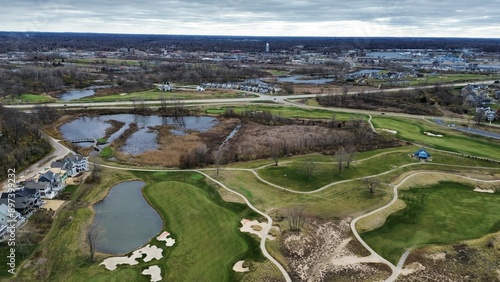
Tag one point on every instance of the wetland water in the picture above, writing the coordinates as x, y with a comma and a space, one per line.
126, 219
140, 141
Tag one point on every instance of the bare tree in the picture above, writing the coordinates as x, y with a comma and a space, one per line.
163, 102
92, 236
276, 151
295, 218
95, 171
350, 156
219, 157
340, 158
371, 183
479, 116
309, 168
356, 120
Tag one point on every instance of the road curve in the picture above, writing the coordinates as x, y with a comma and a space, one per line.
397, 269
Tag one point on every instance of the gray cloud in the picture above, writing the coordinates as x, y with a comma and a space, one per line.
260, 17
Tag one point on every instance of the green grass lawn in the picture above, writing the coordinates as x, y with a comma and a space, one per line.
107, 152
413, 130
287, 112
293, 175
337, 201
28, 98
452, 78
208, 241
205, 227
275, 72
156, 95
440, 214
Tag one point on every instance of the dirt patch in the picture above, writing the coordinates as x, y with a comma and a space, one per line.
53, 204
323, 252
473, 260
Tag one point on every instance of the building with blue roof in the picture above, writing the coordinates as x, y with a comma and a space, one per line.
422, 154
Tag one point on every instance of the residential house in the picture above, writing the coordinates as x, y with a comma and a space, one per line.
6, 217
422, 154
165, 87
72, 164
25, 200
43, 188
63, 174
52, 178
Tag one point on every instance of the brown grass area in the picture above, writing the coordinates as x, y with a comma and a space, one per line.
115, 126
172, 147
472, 260
378, 219
118, 142
326, 88
253, 140
310, 253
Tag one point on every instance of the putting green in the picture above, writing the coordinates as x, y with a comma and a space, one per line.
208, 241
440, 214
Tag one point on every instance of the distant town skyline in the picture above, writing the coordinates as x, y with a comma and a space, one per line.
398, 18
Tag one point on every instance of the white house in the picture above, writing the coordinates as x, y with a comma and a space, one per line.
200, 89
165, 87
72, 164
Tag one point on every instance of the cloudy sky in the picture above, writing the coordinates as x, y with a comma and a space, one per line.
430, 18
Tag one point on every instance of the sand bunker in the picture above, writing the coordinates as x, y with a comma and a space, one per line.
165, 237
483, 190
238, 267
254, 227
151, 252
432, 134
154, 271
390, 131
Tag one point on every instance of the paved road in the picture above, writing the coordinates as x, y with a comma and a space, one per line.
261, 97
470, 130
58, 152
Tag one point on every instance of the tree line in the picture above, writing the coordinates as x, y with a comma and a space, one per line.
21, 142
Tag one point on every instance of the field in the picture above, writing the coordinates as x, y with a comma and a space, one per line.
413, 130
205, 219
286, 112
190, 208
452, 78
208, 241
157, 95
440, 214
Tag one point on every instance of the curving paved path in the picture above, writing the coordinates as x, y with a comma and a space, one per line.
396, 270
268, 218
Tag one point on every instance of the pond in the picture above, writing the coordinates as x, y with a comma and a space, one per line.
125, 219
76, 94
305, 79
140, 141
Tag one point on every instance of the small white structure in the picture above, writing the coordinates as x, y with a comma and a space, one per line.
165, 87
199, 89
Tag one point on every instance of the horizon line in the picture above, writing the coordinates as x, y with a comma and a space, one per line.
222, 35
